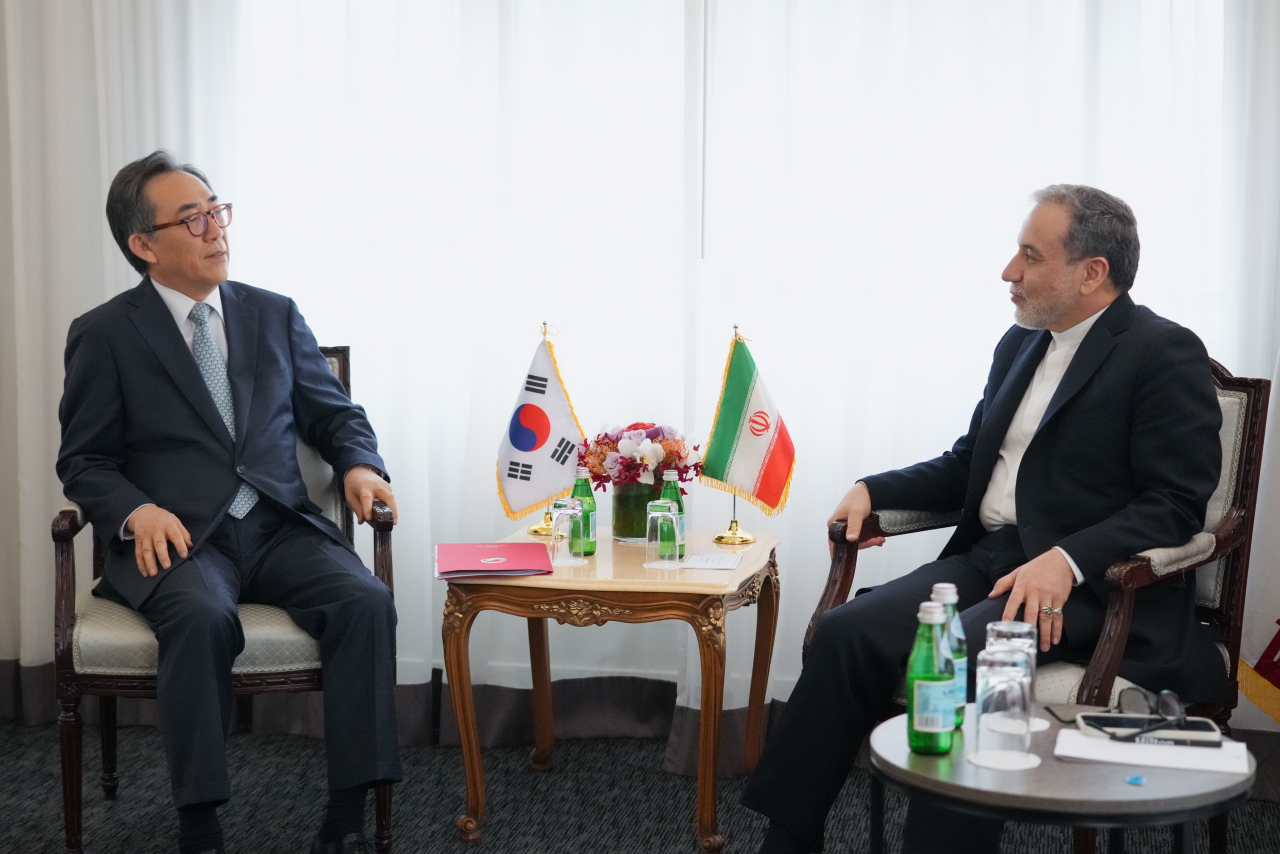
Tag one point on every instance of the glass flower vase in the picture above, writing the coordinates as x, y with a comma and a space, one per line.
630, 511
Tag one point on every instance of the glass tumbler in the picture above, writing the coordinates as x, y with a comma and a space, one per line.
663, 536
566, 551
1004, 708
1023, 636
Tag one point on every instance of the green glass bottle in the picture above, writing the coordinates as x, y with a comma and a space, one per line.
587, 528
930, 684
945, 594
671, 492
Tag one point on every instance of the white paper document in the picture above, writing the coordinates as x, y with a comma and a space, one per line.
1231, 758
711, 560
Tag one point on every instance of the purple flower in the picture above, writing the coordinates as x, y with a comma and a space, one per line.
613, 464
635, 435
669, 432
654, 434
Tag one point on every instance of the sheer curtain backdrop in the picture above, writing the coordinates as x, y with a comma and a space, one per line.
88, 86
432, 180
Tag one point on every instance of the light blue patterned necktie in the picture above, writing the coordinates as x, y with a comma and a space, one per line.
214, 370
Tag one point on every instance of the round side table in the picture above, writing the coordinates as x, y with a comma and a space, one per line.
1089, 794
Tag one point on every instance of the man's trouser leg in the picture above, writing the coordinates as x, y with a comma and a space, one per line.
857, 657
335, 599
193, 613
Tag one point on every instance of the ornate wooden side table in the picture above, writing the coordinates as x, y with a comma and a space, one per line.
614, 585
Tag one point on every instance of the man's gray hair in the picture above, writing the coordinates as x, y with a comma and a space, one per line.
1101, 225
129, 211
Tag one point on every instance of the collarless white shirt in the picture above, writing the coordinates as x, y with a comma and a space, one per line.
180, 304
999, 507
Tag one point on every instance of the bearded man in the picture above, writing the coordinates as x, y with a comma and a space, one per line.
1096, 438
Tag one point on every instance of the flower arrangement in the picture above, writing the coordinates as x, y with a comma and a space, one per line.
640, 453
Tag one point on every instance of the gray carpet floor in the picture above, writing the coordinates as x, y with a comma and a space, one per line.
603, 795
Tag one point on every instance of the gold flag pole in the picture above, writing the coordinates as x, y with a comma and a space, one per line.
735, 536
543, 528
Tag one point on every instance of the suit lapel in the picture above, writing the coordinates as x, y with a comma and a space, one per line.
156, 325
1091, 354
997, 418
242, 356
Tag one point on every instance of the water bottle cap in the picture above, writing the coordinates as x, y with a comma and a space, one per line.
945, 593
583, 471
932, 613
670, 474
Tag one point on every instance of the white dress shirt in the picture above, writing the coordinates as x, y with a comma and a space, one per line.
998, 507
179, 305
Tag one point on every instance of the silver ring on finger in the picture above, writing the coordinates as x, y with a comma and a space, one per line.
1050, 611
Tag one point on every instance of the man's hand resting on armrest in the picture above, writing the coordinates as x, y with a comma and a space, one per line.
854, 509
362, 486
153, 528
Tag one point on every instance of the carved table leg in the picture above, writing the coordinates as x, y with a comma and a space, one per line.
107, 727
709, 625
766, 626
543, 722
382, 822
72, 737
459, 614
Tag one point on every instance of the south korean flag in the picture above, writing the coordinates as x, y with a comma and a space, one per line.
539, 452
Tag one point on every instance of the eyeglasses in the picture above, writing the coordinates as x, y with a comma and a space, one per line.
1138, 701
198, 223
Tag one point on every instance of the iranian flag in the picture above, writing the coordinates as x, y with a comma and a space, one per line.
750, 451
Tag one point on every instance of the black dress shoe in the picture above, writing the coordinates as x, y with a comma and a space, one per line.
352, 843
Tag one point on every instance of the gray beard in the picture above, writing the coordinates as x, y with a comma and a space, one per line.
1038, 315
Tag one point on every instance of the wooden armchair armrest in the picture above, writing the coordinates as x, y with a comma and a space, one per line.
69, 522
844, 554
383, 522
1124, 580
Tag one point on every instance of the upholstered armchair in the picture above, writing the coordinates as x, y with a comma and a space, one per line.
1218, 556
107, 650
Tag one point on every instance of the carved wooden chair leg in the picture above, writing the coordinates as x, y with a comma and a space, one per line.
1218, 826
382, 831
709, 627
1084, 840
543, 722
71, 734
107, 729
766, 627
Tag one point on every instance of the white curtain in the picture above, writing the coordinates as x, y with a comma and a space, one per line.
88, 86
432, 180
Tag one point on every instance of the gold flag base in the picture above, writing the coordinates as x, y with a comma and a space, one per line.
543, 528
734, 536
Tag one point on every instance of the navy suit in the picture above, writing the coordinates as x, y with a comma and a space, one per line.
1124, 459
139, 426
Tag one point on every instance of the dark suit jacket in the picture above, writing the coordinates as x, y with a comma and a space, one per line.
140, 427
1124, 460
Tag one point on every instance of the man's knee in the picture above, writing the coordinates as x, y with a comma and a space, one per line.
194, 618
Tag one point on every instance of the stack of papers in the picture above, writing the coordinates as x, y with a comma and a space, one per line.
467, 560
1231, 758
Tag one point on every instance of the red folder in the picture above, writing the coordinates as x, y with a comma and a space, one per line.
466, 560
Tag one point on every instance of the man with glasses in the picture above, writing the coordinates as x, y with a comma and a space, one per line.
183, 402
